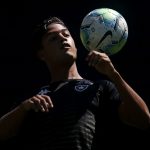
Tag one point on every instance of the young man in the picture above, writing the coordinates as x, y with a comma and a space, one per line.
67, 113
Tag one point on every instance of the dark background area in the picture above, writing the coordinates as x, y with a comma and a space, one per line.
21, 75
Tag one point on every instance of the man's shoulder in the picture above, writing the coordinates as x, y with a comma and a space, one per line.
104, 82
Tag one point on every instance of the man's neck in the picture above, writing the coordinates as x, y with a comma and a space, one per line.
64, 74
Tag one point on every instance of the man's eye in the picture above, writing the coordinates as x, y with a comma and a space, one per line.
52, 38
66, 34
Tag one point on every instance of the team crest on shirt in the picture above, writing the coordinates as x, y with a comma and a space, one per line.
82, 86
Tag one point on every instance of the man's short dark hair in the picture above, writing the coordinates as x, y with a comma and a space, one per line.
41, 29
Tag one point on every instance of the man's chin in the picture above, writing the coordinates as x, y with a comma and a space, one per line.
71, 55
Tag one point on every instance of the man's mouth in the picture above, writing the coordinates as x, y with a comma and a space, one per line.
65, 46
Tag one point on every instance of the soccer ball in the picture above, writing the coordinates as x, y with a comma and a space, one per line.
105, 30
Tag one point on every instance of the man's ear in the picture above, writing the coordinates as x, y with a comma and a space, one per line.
40, 54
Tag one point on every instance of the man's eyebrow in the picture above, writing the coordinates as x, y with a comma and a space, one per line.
65, 29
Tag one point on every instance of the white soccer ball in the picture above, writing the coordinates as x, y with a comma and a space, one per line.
104, 29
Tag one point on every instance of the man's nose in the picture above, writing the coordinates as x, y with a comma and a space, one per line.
62, 37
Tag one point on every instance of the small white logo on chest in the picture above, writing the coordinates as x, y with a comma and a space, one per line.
44, 91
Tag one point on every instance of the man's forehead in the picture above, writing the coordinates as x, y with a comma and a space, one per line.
56, 27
